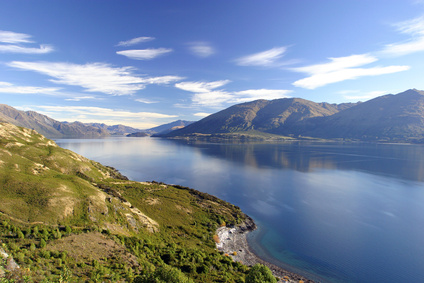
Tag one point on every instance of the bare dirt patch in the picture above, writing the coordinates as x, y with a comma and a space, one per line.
186, 210
152, 201
93, 245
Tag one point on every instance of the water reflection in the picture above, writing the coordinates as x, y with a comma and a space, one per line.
400, 161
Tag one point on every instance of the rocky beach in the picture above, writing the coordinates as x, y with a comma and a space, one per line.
232, 241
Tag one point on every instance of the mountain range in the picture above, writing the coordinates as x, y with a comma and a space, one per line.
390, 117
54, 129
393, 117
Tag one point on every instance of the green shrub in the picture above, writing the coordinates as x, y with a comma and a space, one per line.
260, 273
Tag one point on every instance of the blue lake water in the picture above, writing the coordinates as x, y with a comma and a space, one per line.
333, 212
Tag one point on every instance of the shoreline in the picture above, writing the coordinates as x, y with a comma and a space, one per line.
233, 242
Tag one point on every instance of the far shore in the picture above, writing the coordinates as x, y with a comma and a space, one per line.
233, 243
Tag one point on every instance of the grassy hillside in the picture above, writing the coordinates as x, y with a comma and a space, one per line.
64, 218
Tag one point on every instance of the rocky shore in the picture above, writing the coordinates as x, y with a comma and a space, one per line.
233, 242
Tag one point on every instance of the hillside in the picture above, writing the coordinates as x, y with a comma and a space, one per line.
64, 218
278, 116
397, 118
48, 126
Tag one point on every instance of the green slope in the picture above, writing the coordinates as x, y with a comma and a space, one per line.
65, 218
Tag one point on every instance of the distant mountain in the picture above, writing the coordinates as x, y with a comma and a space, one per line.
54, 129
393, 117
390, 117
48, 126
278, 116
166, 128
115, 129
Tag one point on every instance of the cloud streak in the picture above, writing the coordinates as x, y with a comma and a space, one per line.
341, 69
14, 37
12, 40
135, 41
201, 49
414, 28
356, 95
266, 58
201, 86
206, 93
144, 54
94, 77
6, 87
43, 49
220, 97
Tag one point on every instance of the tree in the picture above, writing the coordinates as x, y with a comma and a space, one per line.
260, 273
42, 243
164, 274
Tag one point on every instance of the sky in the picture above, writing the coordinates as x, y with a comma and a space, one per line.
149, 62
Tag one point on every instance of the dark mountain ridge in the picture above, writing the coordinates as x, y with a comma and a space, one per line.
114, 129
166, 128
399, 116
390, 117
271, 116
47, 126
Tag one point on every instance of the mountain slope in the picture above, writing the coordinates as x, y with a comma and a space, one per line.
390, 117
166, 128
275, 116
48, 126
394, 117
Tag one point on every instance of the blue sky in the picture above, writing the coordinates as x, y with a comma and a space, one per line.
146, 63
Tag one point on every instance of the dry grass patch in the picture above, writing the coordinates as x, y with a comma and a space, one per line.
93, 245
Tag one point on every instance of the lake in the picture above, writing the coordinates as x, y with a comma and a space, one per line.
333, 212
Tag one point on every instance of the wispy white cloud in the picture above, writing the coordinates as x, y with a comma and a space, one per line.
146, 101
14, 37
6, 87
206, 93
94, 77
79, 98
265, 58
201, 114
341, 69
255, 94
201, 86
356, 95
135, 41
12, 43
201, 49
162, 80
415, 29
108, 116
220, 98
212, 98
26, 50
144, 54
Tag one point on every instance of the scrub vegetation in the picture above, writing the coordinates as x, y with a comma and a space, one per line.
64, 218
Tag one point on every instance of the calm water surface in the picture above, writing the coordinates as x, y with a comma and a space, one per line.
334, 212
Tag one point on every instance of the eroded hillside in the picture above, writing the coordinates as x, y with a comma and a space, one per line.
65, 216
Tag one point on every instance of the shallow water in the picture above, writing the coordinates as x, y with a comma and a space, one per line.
337, 212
